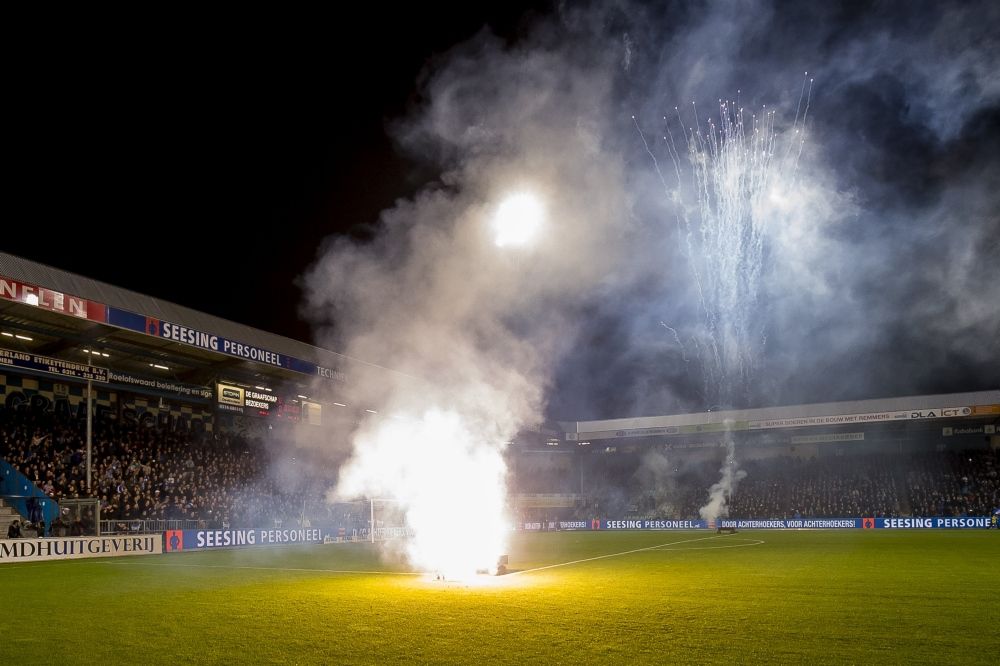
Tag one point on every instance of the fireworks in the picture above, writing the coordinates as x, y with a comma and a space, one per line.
725, 174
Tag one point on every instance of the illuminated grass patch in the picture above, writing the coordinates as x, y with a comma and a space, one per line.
654, 597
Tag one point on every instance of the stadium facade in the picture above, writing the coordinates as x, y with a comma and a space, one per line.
155, 363
154, 360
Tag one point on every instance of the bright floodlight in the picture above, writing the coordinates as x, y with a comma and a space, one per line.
518, 219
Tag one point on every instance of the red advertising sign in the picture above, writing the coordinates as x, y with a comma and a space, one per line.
51, 300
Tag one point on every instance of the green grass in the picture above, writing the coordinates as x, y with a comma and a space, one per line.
805, 596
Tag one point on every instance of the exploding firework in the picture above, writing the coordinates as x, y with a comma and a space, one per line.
726, 173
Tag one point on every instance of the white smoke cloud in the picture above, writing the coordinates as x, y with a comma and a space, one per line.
878, 253
471, 330
722, 490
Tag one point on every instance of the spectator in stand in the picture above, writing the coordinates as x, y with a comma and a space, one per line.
14, 531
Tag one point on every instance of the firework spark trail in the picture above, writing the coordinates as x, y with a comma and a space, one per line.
732, 168
677, 339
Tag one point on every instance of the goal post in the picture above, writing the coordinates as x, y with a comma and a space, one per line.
370, 519
388, 520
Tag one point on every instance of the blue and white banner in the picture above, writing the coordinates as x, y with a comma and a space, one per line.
623, 524
653, 524
795, 524
178, 540
940, 523
160, 328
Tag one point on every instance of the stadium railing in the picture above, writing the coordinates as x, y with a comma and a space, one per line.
148, 526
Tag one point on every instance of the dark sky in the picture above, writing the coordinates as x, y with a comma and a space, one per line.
212, 146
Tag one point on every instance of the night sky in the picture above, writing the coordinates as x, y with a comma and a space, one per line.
218, 144
226, 151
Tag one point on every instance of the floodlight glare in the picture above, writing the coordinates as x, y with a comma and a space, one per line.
518, 219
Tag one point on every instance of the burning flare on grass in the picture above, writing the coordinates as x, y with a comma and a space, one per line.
449, 481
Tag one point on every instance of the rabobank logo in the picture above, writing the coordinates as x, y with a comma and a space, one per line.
173, 540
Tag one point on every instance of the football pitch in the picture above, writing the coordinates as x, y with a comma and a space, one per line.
852, 596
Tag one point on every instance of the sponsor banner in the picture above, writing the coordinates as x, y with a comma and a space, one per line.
971, 522
875, 417
794, 524
52, 366
230, 395
829, 437
989, 429
646, 432
159, 386
724, 426
652, 524
159, 328
190, 336
33, 550
326, 373
234, 398
982, 410
535, 526
938, 523
179, 540
948, 523
51, 300
166, 330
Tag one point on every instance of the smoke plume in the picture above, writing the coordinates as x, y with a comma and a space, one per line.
722, 490
876, 271
472, 330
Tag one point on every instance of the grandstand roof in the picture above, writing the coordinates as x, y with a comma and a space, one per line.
60, 336
822, 414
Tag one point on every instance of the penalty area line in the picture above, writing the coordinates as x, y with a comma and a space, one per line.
624, 552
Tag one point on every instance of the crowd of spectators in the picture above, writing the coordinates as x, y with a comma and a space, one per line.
865, 485
786, 487
954, 484
142, 473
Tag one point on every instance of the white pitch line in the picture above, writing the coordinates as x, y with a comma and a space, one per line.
236, 566
625, 552
756, 542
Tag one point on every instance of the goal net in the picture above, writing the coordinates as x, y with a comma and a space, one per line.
362, 520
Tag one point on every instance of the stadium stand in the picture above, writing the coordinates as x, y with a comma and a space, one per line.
147, 477
145, 474
946, 483
182, 402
